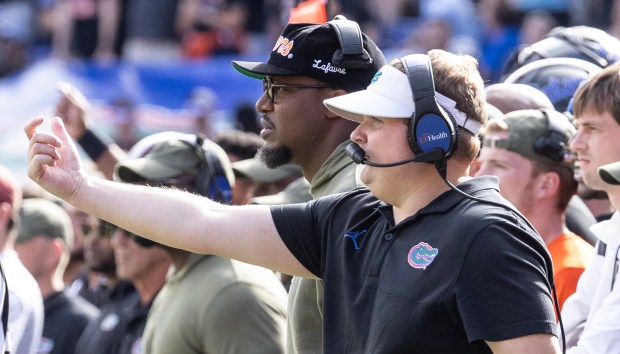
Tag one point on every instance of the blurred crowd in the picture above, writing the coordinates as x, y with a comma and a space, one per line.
164, 30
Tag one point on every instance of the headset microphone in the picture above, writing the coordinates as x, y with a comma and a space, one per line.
358, 155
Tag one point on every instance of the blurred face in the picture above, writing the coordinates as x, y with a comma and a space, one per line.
81, 222
98, 251
294, 122
134, 262
242, 190
35, 255
514, 172
596, 143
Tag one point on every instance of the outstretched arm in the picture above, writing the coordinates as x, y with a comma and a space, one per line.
168, 216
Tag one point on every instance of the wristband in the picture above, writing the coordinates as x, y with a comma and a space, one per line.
92, 144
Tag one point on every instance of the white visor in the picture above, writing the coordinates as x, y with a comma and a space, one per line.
389, 96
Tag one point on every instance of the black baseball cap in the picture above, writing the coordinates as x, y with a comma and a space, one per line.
307, 50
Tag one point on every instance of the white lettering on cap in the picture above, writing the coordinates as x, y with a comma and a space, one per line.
327, 68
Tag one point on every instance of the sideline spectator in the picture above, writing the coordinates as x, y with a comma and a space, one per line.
242, 308
591, 314
25, 301
44, 245
144, 265
527, 151
513, 96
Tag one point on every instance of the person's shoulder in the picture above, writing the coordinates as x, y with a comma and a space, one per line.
73, 309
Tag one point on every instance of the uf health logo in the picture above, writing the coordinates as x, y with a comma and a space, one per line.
421, 255
427, 138
283, 47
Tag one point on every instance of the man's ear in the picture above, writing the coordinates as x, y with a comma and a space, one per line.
332, 94
548, 184
6, 211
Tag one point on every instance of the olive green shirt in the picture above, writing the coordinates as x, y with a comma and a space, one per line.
217, 305
305, 303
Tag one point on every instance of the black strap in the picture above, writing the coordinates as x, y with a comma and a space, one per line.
5, 312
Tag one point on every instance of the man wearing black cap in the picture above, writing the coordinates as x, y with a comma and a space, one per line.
591, 314
306, 66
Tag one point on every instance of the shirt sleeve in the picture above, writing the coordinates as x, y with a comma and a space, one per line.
299, 230
603, 331
505, 264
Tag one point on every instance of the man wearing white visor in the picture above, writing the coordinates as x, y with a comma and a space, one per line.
409, 264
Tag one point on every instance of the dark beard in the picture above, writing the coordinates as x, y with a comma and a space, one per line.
275, 157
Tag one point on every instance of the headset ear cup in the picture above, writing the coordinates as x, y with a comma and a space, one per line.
411, 137
454, 131
432, 128
553, 144
351, 54
438, 126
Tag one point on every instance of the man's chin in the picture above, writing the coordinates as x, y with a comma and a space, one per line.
273, 157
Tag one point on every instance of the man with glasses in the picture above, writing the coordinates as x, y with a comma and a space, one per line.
97, 281
145, 267
297, 128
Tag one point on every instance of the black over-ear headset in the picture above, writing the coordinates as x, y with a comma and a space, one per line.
553, 145
211, 181
351, 54
433, 137
432, 128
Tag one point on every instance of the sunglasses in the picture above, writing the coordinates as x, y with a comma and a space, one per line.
272, 89
101, 229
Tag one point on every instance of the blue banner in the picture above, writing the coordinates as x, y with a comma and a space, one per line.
160, 96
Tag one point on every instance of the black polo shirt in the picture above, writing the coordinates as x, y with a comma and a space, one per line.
65, 319
456, 273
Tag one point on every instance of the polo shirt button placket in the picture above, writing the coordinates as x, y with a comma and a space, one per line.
388, 237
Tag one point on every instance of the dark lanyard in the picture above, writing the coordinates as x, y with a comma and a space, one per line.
5, 312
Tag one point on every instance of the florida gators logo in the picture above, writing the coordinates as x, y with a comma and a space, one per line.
376, 77
421, 255
283, 46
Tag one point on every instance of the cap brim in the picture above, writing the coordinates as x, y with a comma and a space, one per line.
354, 106
256, 171
149, 169
387, 96
259, 70
610, 173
